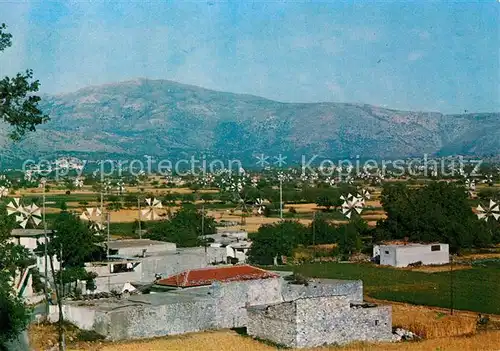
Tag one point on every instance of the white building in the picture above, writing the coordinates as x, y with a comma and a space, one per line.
236, 243
30, 238
142, 260
404, 255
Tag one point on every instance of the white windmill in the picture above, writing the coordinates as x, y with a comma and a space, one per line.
42, 183
5, 181
363, 195
259, 204
25, 214
349, 179
330, 181
120, 187
470, 186
351, 204
488, 179
255, 181
493, 210
15, 208
78, 183
4, 191
28, 175
106, 186
235, 186
151, 210
94, 216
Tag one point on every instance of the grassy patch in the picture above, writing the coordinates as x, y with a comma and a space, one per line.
476, 289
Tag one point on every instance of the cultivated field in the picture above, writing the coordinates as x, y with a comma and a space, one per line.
474, 289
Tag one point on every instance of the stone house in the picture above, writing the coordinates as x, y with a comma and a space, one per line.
317, 321
224, 297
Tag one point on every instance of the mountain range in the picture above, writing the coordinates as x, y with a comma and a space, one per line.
166, 118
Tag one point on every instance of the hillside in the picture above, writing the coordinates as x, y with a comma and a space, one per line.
165, 118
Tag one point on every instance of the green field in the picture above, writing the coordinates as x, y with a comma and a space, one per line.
476, 289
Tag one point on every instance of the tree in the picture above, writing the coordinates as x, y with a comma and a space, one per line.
19, 109
14, 315
438, 212
275, 240
328, 197
324, 201
72, 242
349, 239
321, 231
74, 237
184, 228
18, 104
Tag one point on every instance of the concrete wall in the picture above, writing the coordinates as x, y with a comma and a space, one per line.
240, 254
30, 242
150, 249
403, 255
172, 263
84, 317
106, 283
388, 256
164, 263
21, 343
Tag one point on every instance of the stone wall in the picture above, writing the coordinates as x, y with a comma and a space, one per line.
233, 298
143, 321
285, 320
317, 321
352, 289
331, 320
279, 321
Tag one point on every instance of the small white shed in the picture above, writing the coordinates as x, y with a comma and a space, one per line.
406, 254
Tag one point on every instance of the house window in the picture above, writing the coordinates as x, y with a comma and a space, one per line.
436, 248
386, 252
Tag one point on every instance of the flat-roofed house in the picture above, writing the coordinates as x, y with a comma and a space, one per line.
402, 255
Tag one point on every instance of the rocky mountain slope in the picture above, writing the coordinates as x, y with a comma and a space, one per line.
165, 118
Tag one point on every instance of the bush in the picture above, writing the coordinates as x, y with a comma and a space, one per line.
88, 336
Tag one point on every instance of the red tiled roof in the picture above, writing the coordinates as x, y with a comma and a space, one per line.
206, 276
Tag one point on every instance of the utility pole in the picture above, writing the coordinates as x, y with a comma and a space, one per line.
451, 284
203, 230
314, 228
107, 252
281, 198
139, 212
46, 270
62, 341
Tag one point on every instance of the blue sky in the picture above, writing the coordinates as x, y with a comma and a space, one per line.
433, 56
